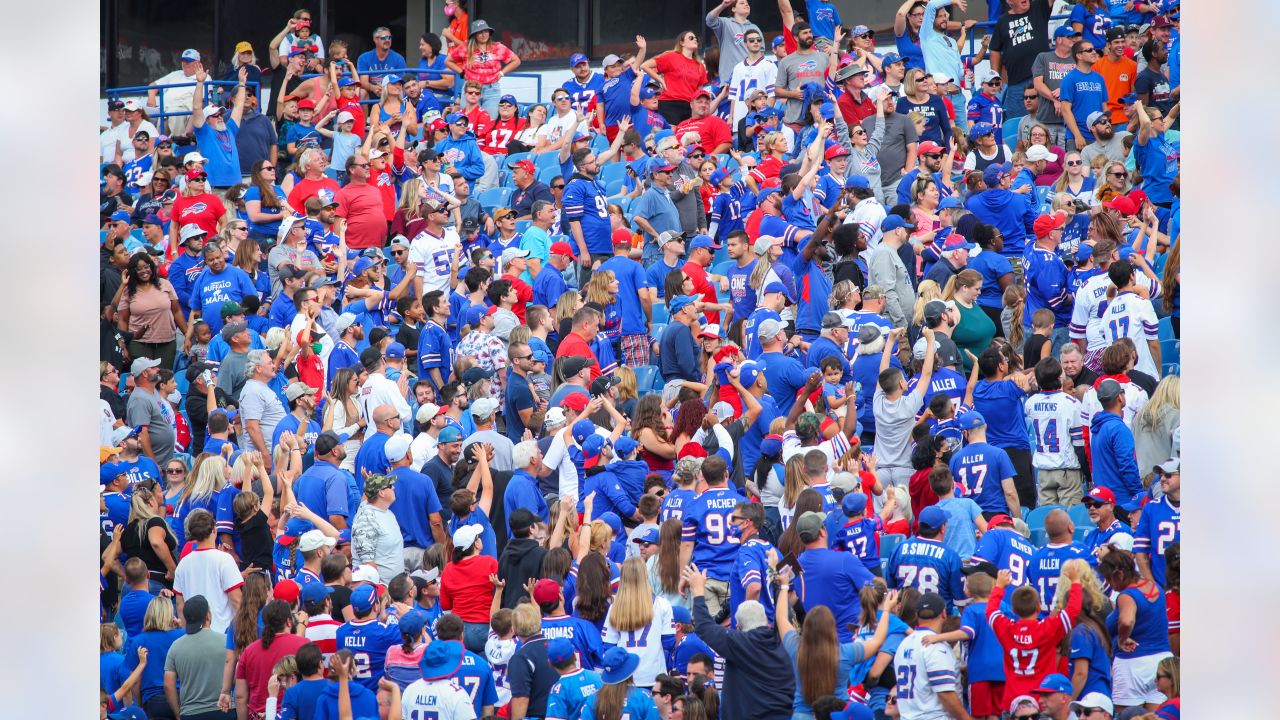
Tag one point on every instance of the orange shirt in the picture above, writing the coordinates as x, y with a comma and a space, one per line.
1120, 76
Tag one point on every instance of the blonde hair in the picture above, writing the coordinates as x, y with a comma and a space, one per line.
770, 139
1167, 395
208, 478
526, 619
108, 637
601, 536
628, 385
1170, 665
904, 503
409, 198
632, 607
140, 510
598, 288
159, 615
794, 480
929, 290
1015, 298
1091, 589
963, 279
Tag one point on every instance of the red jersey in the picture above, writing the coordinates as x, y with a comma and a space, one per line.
573, 344
480, 121
323, 631
311, 371
702, 286
205, 210
500, 133
524, 295
386, 184
305, 189
1031, 645
766, 170
713, 131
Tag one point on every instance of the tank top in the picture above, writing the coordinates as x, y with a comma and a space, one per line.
1150, 624
980, 163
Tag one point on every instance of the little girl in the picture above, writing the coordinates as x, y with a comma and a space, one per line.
833, 394
202, 335
898, 508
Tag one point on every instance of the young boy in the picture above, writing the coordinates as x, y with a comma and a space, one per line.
348, 100
986, 656
833, 395
860, 534
726, 209
498, 650
1030, 645
1038, 345
964, 517
303, 134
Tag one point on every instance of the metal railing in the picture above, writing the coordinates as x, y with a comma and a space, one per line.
986, 25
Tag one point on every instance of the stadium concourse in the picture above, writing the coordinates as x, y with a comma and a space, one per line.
820, 373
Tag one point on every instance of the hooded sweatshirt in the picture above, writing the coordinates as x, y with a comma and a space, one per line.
521, 559
1010, 212
758, 680
364, 703
464, 154
1114, 464
630, 475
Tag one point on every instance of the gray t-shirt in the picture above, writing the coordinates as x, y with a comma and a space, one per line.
502, 447
689, 204
1113, 149
1051, 69
376, 538
197, 660
894, 420
259, 402
729, 34
794, 71
898, 134
231, 373
148, 408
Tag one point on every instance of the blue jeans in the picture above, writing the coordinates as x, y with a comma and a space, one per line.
961, 106
1013, 105
474, 636
489, 95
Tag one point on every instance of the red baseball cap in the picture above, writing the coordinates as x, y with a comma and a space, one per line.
526, 165
307, 104
928, 147
836, 151
692, 449
703, 93
1138, 197
492, 309
196, 175
1123, 205
563, 248
546, 590
287, 590
1001, 519
1102, 495
1046, 224
576, 402
622, 236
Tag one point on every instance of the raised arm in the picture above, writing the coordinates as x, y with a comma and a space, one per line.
197, 99
900, 18
237, 107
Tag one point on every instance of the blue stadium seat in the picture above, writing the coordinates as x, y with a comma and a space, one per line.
522, 225
658, 329
1039, 537
1009, 131
1035, 519
1171, 352
1166, 328
1082, 533
514, 158
494, 198
599, 144
1170, 369
660, 314
613, 171
547, 174
548, 160
613, 187
726, 161
625, 204
723, 267
889, 543
1080, 515
645, 378
331, 172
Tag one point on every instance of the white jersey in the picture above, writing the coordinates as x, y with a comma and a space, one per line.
437, 700
923, 672
868, 214
1086, 314
1055, 422
646, 642
1132, 316
747, 78
378, 390
498, 652
1134, 398
433, 256
106, 423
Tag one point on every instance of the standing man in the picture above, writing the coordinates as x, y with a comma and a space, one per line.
889, 273
360, 206
381, 57
678, 350
1048, 282
713, 133
754, 72
415, 503
1083, 92
379, 390
260, 406
195, 661
1047, 72
749, 578
375, 533
705, 538
1019, 36
805, 65
928, 678
434, 251
531, 675
1160, 523
1055, 420
831, 577
208, 572
655, 212
731, 35
895, 409
371, 459
146, 409
1114, 465
586, 210
216, 134
1120, 73
897, 155
521, 407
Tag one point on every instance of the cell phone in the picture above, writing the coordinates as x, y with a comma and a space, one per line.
790, 561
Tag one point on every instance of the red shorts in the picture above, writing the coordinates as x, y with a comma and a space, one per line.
984, 698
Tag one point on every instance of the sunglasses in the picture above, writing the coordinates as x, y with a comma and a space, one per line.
381, 37
557, 187
994, 81
473, 92
361, 165
866, 35
268, 167
1093, 504
165, 145
1074, 163
562, 98
173, 471
754, 39
1118, 174
933, 156
1029, 97
697, 156
398, 252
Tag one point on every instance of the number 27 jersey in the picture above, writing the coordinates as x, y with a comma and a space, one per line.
706, 525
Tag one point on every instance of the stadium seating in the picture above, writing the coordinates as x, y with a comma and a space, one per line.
889, 543
612, 171
1080, 515
547, 160
1035, 519
494, 198
1166, 328
514, 158
646, 377
1009, 131
522, 225
1171, 351
547, 174
660, 314
1039, 537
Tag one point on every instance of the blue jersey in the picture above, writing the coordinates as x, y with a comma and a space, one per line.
1096, 538
786, 376
1087, 645
1150, 626
435, 351
1007, 550
741, 295
862, 538
639, 706
726, 212
585, 201
981, 468
583, 95
928, 566
675, 505
582, 633
834, 579
815, 293
758, 316
750, 445
1159, 525
369, 641
986, 656
476, 678
945, 381
144, 468
1157, 158
570, 694
1093, 26
617, 97
751, 567
1046, 565
210, 291
707, 525
1002, 403
1087, 93
631, 280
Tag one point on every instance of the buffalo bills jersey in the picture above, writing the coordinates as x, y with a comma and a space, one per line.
928, 566
862, 538
570, 694
981, 468
581, 633
707, 526
368, 640
751, 567
1159, 525
1046, 565
1007, 550
677, 504
1056, 423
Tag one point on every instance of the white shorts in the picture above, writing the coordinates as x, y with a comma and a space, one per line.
1133, 680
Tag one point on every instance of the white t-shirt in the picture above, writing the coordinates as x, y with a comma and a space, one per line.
106, 423
924, 671
557, 125
302, 322
645, 643
1134, 398
433, 256
422, 449
212, 573
107, 142
437, 699
379, 390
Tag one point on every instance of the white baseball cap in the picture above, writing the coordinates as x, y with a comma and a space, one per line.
313, 539
986, 75
211, 110
397, 447
366, 573
345, 116
427, 413
465, 536
192, 157
1094, 701
1036, 153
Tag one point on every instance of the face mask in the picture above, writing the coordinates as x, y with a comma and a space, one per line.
735, 532
315, 348
449, 10
175, 397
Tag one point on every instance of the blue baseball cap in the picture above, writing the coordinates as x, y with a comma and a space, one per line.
347, 81
765, 193
854, 504
394, 350
993, 174
560, 650
640, 165
452, 118
611, 518
853, 711
950, 202
777, 41
344, 537
702, 241
970, 420
412, 622
592, 448
890, 58
190, 55
681, 615
624, 446
828, 110
893, 222
577, 58
326, 197
679, 302
859, 182
582, 430
296, 51
981, 128
748, 373
294, 530
647, 92
1129, 99
649, 536
1084, 252
718, 176
1065, 30
120, 216
110, 471
449, 434
364, 598
314, 592
775, 287
152, 219
1055, 683
542, 356
657, 165
932, 517
508, 99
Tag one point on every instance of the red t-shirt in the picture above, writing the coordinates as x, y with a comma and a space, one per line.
311, 371
766, 170
305, 189
524, 295
483, 67
465, 589
256, 663
1031, 645
682, 76
386, 185
573, 344
205, 210
500, 133
713, 131
855, 112
480, 121
1173, 609
362, 206
351, 105
702, 286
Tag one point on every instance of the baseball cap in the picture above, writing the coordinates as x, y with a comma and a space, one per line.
327, 441
582, 430
836, 151
1065, 31
930, 605
110, 471
196, 174
142, 364
649, 536
559, 650
893, 222
610, 59
287, 590
890, 58
576, 59
1046, 224
981, 128
624, 446
832, 320
546, 590
1084, 252
647, 92
1108, 390
449, 434
1022, 701
809, 526
857, 181
956, 241
999, 519
993, 174
452, 118
194, 610
1055, 683
660, 166
1116, 33
314, 539
679, 302
398, 446
483, 408
465, 536
297, 389
1102, 495
576, 363
854, 503
970, 420
1168, 467
702, 241
512, 253
929, 147
1123, 205
375, 484
932, 517
475, 374
602, 384
576, 402
981, 566
563, 248
1035, 153
190, 55
364, 597
681, 615
768, 329
1093, 701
